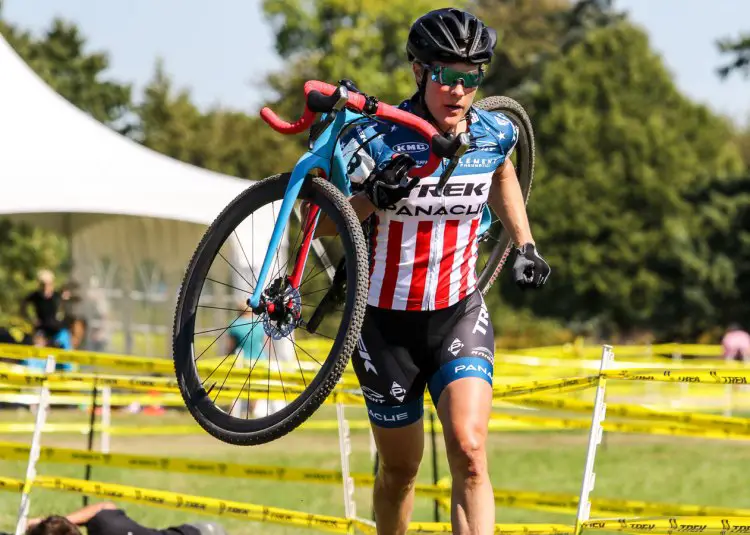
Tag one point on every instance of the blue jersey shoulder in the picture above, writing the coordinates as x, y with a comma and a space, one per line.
494, 131
371, 144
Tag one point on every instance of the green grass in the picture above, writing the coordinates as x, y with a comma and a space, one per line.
628, 466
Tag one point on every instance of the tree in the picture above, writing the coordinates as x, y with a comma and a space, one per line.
621, 152
739, 49
529, 31
332, 39
742, 137
533, 32
224, 141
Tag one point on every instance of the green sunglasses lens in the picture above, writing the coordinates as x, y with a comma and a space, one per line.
447, 76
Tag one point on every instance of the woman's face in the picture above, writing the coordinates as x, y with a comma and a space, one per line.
448, 104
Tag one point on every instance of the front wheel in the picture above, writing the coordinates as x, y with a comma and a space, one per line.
495, 243
228, 362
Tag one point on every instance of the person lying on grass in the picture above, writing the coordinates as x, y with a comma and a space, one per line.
106, 518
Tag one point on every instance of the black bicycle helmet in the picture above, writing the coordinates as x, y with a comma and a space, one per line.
450, 35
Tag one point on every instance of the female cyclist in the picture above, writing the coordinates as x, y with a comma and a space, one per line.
425, 325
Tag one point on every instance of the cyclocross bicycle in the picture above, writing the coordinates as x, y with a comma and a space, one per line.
304, 301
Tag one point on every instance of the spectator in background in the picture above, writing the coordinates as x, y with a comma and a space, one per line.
49, 326
106, 518
47, 305
736, 344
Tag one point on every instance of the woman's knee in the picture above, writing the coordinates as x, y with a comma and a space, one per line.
466, 449
398, 474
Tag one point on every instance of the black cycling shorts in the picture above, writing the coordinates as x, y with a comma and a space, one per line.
399, 353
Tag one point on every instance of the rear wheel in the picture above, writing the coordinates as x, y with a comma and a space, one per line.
495, 243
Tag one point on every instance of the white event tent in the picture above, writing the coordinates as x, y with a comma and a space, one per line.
133, 216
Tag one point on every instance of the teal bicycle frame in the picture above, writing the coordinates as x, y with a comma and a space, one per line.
318, 157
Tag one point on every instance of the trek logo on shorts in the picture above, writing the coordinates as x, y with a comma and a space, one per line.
362, 350
455, 346
483, 321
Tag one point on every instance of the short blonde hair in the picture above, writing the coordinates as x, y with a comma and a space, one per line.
46, 276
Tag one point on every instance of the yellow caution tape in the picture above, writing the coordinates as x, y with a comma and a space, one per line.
502, 529
14, 451
195, 504
668, 526
251, 512
568, 503
687, 375
138, 430
546, 501
640, 413
558, 385
525, 499
621, 427
157, 365
89, 358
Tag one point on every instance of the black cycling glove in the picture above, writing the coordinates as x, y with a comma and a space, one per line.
390, 184
530, 269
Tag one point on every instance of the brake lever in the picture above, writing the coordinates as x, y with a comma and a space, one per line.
463, 145
341, 96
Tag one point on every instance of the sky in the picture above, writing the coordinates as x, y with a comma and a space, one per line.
222, 53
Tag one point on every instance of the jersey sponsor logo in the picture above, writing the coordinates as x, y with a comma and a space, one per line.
371, 395
491, 163
411, 147
362, 350
455, 346
461, 368
453, 189
485, 353
456, 209
398, 417
397, 391
483, 321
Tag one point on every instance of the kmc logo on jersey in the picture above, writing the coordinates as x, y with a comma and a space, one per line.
411, 147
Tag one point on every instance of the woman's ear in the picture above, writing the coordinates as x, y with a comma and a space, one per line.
417, 69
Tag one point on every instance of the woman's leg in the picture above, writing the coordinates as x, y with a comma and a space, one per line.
462, 391
464, 410
394, 396
399, 455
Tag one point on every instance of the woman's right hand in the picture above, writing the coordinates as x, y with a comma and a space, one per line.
392, 183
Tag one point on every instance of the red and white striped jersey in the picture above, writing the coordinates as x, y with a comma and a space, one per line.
423, 250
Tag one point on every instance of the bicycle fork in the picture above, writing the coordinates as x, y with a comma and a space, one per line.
290, 196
